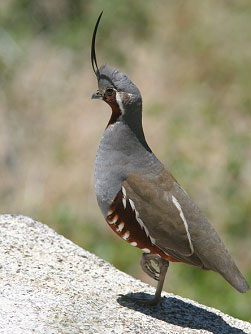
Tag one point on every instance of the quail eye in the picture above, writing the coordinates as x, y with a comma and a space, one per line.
109, 91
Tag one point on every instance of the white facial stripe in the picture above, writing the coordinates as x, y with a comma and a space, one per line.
177, 204
119, 101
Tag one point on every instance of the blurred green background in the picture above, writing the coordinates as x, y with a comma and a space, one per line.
192, 63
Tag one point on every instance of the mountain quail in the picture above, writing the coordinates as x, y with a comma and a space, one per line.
139, 198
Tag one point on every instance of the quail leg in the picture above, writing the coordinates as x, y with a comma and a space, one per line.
163, 271
158, 274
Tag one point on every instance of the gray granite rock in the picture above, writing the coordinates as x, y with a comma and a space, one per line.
49, 285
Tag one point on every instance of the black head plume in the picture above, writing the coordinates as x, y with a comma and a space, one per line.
93, 53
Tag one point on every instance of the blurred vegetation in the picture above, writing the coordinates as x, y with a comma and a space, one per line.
192, 63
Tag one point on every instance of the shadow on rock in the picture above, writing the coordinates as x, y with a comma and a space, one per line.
177, 312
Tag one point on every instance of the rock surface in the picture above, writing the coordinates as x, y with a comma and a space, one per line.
49, 285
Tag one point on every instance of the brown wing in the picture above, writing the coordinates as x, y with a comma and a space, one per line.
178, 227
156, 201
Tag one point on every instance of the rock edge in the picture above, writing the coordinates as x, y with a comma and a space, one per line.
50, 285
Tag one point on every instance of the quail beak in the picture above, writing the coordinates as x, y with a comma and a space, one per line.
97, 95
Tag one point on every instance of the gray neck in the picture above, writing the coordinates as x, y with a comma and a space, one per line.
133, 118
121, 152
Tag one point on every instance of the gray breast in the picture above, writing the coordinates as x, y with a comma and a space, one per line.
119, 154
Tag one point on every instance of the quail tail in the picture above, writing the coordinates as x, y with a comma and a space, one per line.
223, 263
235, 278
